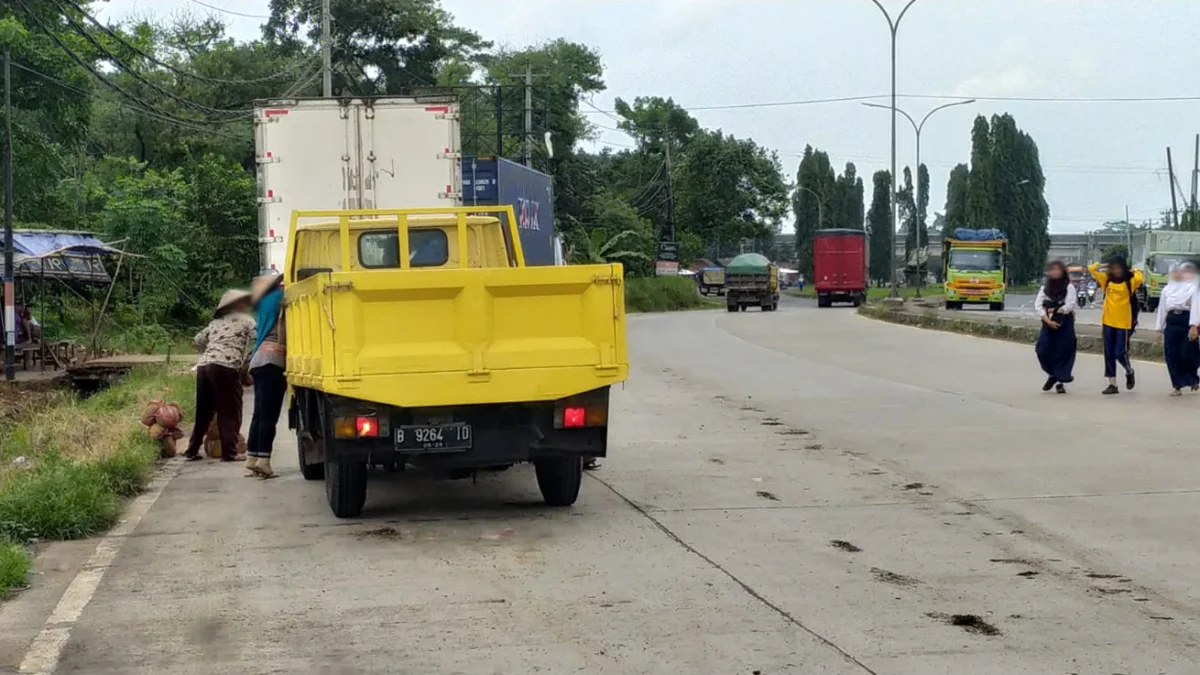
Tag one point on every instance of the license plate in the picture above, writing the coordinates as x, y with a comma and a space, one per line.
434, 437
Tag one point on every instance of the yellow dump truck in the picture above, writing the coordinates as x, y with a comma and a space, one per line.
418, 337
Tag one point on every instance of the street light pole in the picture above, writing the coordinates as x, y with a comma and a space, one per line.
10, 318
918, 127
820, 204
894, 26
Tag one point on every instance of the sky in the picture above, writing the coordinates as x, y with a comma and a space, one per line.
1099, 157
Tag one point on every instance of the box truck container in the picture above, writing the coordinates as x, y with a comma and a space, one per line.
840, 266
341, 154
492, 181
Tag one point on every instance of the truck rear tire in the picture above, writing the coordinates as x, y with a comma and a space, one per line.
559, 479
824, 301
346, 487
314, 471
731, 308
996, 306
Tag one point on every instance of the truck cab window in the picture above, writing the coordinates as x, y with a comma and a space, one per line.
381, 249
965, 260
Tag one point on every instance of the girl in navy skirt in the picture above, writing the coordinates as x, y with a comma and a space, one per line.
1176, 321
1056, 344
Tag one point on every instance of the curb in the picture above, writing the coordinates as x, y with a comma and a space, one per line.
1023, 333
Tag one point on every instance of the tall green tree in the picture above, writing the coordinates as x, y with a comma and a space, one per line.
913, 216
848, 204
879, 222
1018, 202
814, 203
956, 198
980, 210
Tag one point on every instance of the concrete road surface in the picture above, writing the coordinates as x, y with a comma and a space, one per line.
793, 492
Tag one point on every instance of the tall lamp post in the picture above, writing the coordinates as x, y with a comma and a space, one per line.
918, 127
820, 204
894, 26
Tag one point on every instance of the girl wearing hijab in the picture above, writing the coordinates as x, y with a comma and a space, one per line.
1056, 303
267, 366
1118, 319
1176, 321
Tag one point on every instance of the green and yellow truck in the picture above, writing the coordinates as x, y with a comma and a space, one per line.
976, 269
1154, 252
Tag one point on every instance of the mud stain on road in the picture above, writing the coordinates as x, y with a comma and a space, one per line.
767, 495
893, 578
845, 546
972, 623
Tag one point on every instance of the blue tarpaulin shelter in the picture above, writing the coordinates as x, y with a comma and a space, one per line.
59, 254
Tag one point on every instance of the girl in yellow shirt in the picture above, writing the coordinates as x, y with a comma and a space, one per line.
1119, 318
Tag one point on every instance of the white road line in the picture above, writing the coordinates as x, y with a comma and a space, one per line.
42, 656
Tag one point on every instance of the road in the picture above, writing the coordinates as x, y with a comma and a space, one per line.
1022, 305
794, 492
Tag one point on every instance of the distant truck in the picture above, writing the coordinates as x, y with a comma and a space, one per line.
492, 181
976, 270
711, 280
1154, 252
390, 152
840, 266
751, 280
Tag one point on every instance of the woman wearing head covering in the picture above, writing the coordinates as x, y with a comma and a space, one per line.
267, 366
1178, 316
1056, 303
224, 346
1118, 319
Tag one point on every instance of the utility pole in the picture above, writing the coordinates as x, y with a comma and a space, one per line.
528, 150
1128, 237
10, 318
326, 51
670, 192
1171, 176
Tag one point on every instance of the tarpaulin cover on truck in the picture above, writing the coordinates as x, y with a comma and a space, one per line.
749, 263
963, 234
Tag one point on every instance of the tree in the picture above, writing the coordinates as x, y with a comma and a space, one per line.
848, 203
980, 214
956, 198
1113, 251
1189, 220
912, 215
879, 222
814, 203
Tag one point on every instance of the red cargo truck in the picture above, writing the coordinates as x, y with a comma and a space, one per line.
840, 266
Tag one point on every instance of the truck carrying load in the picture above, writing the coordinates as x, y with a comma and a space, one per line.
492, 181
976, 268
392, 152
751, 279
711, 280
840, 266
420, 337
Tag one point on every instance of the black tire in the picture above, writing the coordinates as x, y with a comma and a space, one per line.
346, 487
953, 305
731, 308
315, 471
996, 306
824, 301
559, 479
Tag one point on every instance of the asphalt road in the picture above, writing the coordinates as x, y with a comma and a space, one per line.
792, 492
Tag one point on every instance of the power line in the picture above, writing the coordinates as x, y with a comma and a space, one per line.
212, 80
230, 11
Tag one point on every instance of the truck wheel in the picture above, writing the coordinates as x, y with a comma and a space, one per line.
559, 478
315, 470
346, 487
824, 301
996, 306
953, 305
731, 308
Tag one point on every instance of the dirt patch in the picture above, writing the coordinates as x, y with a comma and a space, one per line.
1162, 618
1097, 575
750, 408
792, 432
716, 460
914, 486
972, 623
894, 579
387, 533
767, 495
814, 446
1111, 591
845, 546
771, 422
1028, 574
1012, 561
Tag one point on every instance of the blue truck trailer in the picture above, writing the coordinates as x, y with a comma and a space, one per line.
492, 181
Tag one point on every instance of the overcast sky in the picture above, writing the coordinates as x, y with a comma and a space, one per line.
1098, 157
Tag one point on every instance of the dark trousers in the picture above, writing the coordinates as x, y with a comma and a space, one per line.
1056, 349
1116, 350
219, 393
1183, 355
270, 386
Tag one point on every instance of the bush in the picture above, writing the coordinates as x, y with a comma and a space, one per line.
127, 470
662, 294
14, 567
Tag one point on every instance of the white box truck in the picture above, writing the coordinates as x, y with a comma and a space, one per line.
314, 154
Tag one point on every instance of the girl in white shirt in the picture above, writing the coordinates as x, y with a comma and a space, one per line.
1056, 305
1176, 321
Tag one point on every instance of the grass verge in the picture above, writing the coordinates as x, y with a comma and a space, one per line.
664, 294
66, 466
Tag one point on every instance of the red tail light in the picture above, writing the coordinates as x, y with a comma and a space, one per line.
574, 418
367, 427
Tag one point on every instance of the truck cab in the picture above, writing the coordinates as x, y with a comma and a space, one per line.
975, 268
418, 337
1156, 268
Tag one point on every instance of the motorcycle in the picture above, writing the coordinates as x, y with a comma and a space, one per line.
1081, 297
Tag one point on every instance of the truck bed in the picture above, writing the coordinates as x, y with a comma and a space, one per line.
458, 336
